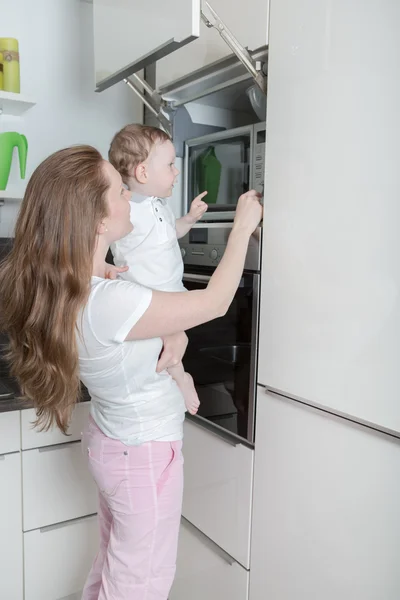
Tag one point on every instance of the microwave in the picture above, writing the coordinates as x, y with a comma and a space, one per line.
225, 164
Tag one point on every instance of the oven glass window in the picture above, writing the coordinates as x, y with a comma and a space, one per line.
220, 357
222, 169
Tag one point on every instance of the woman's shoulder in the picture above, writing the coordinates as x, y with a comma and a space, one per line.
115, 288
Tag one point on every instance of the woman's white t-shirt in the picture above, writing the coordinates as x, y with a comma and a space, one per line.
130, 401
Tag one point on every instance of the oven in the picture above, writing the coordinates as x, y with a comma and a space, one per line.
222, 355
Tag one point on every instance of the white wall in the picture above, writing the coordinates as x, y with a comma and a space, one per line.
56, 56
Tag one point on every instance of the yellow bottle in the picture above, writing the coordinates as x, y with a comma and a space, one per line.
9, 56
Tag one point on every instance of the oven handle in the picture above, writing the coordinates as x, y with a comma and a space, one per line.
195, 278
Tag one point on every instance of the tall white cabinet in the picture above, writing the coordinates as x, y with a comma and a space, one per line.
330, 312
326, 493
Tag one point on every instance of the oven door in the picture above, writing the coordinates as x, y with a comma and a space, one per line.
222, 358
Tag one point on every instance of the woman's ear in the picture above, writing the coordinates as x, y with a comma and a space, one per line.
102, 228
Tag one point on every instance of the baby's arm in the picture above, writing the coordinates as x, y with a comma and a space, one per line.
197, 210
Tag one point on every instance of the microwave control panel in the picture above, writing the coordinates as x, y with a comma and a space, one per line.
259, 142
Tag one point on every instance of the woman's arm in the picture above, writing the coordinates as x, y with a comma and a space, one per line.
171, 312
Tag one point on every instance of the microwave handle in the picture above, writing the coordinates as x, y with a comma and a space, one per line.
195, 278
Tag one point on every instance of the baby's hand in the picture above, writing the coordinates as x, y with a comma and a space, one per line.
111, 271
197, 208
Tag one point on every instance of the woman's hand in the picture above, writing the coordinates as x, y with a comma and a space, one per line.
173, 350
249, 212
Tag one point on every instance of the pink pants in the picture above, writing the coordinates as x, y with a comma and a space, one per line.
140, 501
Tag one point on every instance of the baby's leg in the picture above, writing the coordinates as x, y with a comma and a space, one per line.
185, 383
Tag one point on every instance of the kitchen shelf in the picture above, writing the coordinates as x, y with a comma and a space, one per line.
14, 104
4, 195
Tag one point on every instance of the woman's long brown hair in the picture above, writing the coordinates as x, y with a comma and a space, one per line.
45, 280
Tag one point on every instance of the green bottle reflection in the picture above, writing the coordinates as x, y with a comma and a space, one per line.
8, 141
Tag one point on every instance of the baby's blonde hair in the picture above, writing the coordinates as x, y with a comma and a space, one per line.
132, 145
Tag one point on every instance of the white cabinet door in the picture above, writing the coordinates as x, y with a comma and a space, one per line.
330, 304
128, 35
217, 496
57, 485
326, 521
10, 432
204, 572
248, 23
11, 561
58, 559
32, 438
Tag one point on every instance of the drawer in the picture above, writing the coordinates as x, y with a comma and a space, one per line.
205, 572
11, 562
57, 485
10, 432
32, 438
218, 489
58, 559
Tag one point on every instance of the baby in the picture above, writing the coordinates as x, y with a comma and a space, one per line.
145, 158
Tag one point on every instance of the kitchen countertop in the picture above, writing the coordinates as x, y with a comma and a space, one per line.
9, 396
9, 390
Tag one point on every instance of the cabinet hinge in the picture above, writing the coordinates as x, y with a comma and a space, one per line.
255, 68
161, 109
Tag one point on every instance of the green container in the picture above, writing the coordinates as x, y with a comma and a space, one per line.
9, 57
9, 141
209, 174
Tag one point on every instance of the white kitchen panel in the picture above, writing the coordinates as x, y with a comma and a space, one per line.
129, 35
33, 438
218, 489
204, 572
249, 26
58, 559
330, 302
10, 432
326, 519
11, 560
57, 486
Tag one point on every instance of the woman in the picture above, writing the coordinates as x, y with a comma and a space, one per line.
67, 322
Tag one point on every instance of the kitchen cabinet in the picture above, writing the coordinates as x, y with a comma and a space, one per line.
330, 311
33, 438
129, 36
57, 485
10, 432
203, 571
11, 561
326, 521
58, 559
218, 489
249, 26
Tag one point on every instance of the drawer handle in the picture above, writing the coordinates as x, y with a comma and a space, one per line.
4, 456
58, 446
65, 523
210, 543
